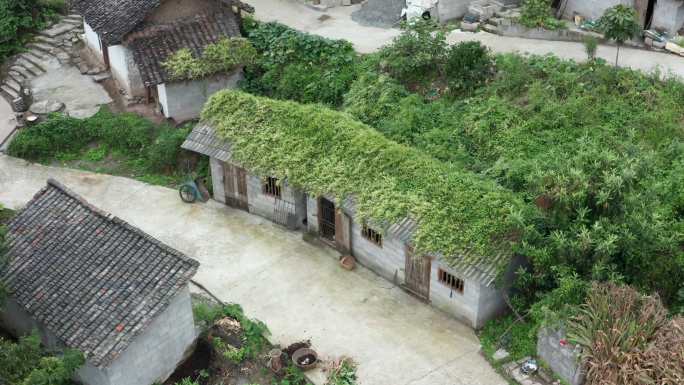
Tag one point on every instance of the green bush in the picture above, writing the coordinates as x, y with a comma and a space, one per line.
538, 13
163, 154
299, 66
468, 66
518, 338
58, 134
374, 97
223, 56
20, 17
416, 57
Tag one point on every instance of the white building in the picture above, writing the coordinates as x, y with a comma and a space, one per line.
134, 38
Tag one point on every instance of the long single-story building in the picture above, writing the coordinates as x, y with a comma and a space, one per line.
89, 281
468, 292
134, 38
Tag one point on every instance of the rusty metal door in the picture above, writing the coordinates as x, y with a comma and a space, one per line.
235, 186
417, 274
326, 219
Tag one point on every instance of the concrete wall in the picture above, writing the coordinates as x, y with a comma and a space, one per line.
125, 71
452, 9
388, 261
92, 40
266, 205
463, 306
184, 100
592, 9
668, 15
152, 356
155, 353
563, 360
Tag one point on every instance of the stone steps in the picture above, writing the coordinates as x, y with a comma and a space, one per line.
73, 19
47, 40
36, 55
16, 76
58, 29
21, 70
30, 67
43, 47
12, 84
9, 93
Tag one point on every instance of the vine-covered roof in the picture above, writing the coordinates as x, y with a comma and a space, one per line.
459, 215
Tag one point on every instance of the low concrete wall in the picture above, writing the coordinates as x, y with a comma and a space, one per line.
184, 100
452, 9
592, 9
563, 360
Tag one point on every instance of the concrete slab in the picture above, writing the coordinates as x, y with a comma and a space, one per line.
8, 122
80, 94
297, 288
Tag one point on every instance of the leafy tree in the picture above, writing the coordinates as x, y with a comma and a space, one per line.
18, 17
468, 66
619, 23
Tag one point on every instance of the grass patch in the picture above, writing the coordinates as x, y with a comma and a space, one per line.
518, 338
117, 144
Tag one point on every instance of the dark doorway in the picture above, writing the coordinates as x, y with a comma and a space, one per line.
649, 13
326, 219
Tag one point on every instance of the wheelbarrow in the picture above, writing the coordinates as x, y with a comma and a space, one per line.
193, 190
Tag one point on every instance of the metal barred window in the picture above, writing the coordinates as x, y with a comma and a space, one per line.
450, 280
371, 235
271, 187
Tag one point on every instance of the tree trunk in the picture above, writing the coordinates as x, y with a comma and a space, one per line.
617, 54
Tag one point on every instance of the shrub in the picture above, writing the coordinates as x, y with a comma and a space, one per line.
538, 13
518, 338
19, 17
628, 339
164, 152
223, 56
125, 132
590, 46
58, 134
468, 66
374, 97
299, 66
415, 58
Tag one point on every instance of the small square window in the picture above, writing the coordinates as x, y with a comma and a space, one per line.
371, 235
450, 281
272, 187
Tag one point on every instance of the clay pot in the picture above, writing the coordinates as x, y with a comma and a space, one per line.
348, 262
305, 358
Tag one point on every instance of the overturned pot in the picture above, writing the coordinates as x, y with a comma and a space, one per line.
348, 262
305, 358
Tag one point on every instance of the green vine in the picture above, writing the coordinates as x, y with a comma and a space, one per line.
327, 152
225, 55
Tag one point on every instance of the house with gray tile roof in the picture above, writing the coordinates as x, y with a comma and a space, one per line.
87, 280
133, 38
471, 292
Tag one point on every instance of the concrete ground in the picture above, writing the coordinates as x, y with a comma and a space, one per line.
337, 23
297, 288
81, 95
7, 121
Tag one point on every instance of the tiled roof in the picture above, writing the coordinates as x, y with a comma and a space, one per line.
113, 19
154, 44
90, 278
203, 140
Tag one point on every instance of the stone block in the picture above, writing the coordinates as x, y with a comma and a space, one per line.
469, 27
501, 355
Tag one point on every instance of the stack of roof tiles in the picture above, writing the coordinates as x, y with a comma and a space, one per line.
90, 278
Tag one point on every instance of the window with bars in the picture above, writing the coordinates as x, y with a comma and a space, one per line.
450, 281
271, 187
371, 235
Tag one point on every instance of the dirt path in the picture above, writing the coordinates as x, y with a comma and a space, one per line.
297, 288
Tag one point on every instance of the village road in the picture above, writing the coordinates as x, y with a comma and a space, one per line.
297, 288
336, 23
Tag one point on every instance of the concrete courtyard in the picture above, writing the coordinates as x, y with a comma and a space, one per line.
295, 287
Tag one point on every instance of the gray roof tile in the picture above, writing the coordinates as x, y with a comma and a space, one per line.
92, 279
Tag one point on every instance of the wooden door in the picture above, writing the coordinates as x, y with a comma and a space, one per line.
417, 274
235, 186
343, 232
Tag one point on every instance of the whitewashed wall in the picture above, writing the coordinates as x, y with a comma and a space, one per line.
668, 15
264, 205
92, 40
184, 100
125, 71
592, 9
462, 306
